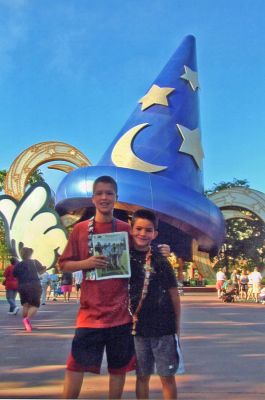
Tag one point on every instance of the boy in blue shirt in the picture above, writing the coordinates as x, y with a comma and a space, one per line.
155, 308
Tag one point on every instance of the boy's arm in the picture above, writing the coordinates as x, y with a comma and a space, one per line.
70, 261
89, 263
175, 298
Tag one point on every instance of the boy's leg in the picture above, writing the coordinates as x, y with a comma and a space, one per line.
72, 384
169, 387
142, 387
116, 384
120, 357
166, 359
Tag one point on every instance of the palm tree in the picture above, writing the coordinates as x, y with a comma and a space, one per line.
36, 176
2, 179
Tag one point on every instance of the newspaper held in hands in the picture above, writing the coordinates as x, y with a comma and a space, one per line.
115, 247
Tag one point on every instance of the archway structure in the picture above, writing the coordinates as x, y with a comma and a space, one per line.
248, 199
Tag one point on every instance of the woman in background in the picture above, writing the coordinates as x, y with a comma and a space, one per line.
27, 273
11, 286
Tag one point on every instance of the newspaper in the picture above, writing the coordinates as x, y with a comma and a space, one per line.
115, 247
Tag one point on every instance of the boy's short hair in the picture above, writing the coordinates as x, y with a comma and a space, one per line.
145, 214
106, 179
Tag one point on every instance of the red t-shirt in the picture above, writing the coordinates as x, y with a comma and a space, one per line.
11, 281
103, 303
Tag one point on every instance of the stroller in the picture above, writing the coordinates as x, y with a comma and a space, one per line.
229, 295
229, 292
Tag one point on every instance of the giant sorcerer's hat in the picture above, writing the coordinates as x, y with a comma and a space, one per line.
157, 157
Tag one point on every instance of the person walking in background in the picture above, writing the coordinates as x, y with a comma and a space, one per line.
235, 277
27, 273
220, 278
243, 282
54, 282
78, 277
67, 283
250, 295
11, 285
256, 279
45, 282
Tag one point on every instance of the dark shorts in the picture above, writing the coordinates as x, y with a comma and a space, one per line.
88, 348
159, 352
78, 286
244, 287
30, 294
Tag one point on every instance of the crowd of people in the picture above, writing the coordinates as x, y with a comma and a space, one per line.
241, 285
34, 285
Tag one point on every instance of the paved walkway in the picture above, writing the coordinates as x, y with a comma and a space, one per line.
223, 345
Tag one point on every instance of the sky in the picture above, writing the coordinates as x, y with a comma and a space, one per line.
74, 70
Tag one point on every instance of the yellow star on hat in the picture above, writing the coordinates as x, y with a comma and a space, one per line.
192, 77
191, 143
156, 95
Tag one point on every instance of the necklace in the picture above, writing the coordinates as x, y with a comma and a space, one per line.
147, 272
91, 274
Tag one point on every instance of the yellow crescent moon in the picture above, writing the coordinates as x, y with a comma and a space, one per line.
123, 156
31, 158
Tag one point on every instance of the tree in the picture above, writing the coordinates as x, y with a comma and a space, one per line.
245, 239
2, 179
4, 251
226, 185
36, 176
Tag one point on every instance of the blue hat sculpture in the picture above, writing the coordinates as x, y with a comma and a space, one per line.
157, 157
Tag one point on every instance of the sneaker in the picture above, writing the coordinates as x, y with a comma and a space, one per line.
10, 312
43, 304
27, 324
16, 310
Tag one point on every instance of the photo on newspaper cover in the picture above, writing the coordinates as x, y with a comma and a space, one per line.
115, 247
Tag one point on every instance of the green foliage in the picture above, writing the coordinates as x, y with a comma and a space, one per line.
226, 185
3, 173
36, 176
4, 251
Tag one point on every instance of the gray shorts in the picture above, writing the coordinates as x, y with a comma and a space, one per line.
159, 352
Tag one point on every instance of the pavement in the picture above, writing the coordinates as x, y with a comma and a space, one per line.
223, 346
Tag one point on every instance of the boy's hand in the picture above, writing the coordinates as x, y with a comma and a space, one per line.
164, 249
96, 262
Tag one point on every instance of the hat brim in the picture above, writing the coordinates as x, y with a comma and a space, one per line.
181, 207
